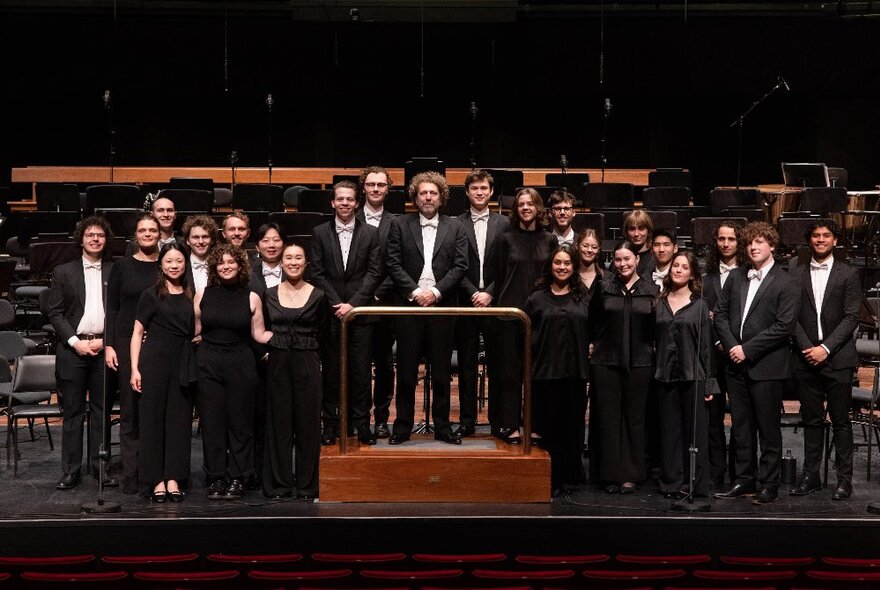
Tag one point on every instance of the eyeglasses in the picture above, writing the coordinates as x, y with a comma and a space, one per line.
94, 235
375, 184
561, 209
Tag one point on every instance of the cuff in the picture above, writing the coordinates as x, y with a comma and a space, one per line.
826, 349
72, 341
414, 293
436, 293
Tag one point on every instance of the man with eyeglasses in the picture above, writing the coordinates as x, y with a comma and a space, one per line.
74, 305
561, 204
375, 183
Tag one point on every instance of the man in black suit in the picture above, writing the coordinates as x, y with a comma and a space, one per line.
74, 305
375, 183
726, 254
427, 259
345, 264
266, 268
477, 290
755, 318
825, 356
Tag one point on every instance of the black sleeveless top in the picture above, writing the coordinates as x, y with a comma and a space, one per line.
226, 315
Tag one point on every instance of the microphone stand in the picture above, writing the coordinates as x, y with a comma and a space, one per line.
233, 162
473, 135
111, 132
606, 112
269, 103
101, 506
738, 122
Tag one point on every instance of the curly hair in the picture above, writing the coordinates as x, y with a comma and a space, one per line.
374, 170
202, 221
695, 283
215, 257
434, 178
541, 215
760, 229
712, 256
827, 223
574, 281
94, 221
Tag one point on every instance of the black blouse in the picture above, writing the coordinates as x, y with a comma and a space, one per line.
226, 315
559, 336
519, 260
297, 328
129, 278
681, 337
622, 323
171, 318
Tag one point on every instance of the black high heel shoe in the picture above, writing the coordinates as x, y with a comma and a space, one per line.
158, 497
175, 496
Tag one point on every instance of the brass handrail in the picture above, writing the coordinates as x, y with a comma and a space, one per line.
505, 312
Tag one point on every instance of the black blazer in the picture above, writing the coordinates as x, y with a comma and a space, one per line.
356, 283
384, 294
768, 326
405, 257
496, 225
840, 315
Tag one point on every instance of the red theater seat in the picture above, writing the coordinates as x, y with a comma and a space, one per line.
523, 575
410, 575
151, 562
619, 577
66, 579
356, 558
465, 558
336, 576
245, 562
655, 560
561, 560
740, 576
216, 579
786, 562
846, 579
853, 562
65, 562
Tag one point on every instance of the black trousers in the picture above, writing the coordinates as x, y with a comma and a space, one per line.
293, 410
225, 400
383, 363
755, 407
359, 341
618, 413
129, 421
259, 424
818, 388
560, 408
166, 415
430, 337
467, 336
717, 440
81, 380
677, 415
505, 399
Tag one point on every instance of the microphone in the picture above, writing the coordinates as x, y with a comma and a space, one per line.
781, 83
269, 101
106, 99
563, 163
233, 158
474, 110
607, 106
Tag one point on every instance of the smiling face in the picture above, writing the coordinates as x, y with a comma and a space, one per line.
173, 265
562, 213
663, 250
760, 252
680, 271
822, 243
589, 250
625, 263
146, 234
163, 211
526, 209
428, 199
199, 241
638, 235
561, 267
235, 231
479, 194
293, 262
376, 189
344, 203
269, 247
94, 240
227, 269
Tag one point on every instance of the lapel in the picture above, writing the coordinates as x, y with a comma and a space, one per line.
353, 249
743, 295
765, 284
335, 249
80, 282
416, 229
105, 278
831, 286
491, 229
470, 231
442, 230
807, 283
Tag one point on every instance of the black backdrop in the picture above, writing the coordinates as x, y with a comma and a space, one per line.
350, 93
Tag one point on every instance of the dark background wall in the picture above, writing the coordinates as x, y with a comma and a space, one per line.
349, 94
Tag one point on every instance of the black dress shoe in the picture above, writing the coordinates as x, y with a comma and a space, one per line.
765, 496
217, 490
68, 481
159, 497
235, 490
365, 435
505, 434
175, 496
329, 436
843, 491
738, 490
807, 485
382, 430
450, 438
306, 497
465, 430
398, 439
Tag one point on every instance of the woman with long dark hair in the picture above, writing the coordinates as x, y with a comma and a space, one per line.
299, 317
520, 254
129, 278
163, 372
227, 316
684, 374
622, 364
560, 366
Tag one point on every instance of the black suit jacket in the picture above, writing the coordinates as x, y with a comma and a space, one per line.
768, 326
840, 315
65, 301
385, 292
496, 226
355, 283
405, 257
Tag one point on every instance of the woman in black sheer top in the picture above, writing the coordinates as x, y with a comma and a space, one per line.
622, 364
685, 376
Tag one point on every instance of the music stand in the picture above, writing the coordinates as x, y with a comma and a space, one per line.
415, 165
804, 175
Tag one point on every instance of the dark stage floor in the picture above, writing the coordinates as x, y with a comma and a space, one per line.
588, 519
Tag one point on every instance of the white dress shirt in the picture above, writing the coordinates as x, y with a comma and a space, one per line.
755, 279
92, 321
480, 220
344, 233
658, 275
724, 271
373, 216
199, 268
163, 241
271, 275
567, 239
427, 281
819, 274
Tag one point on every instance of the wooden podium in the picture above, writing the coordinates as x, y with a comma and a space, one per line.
481, 469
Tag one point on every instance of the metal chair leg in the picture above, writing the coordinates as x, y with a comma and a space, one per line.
49, 434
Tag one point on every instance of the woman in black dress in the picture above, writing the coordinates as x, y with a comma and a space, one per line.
520, 254
163, 372
685, 374
622, 364
560, 367
129, 278
227, 316
298, 315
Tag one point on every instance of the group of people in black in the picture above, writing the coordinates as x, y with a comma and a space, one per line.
252, 342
